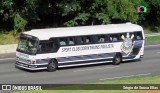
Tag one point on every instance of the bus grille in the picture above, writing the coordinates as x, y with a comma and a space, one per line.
22, 60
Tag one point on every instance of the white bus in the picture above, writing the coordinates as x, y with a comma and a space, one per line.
74, 46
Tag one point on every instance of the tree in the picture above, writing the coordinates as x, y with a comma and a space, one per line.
17, 15
154, 13
101, 12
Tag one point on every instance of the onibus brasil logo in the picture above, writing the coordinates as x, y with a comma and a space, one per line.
127, 44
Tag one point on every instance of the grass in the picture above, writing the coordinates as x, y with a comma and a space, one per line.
133, 80
8, 39
153, 39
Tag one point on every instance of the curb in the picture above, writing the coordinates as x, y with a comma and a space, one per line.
8, 48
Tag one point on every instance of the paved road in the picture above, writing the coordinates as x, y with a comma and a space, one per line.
150, 65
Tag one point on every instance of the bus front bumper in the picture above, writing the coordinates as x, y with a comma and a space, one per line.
30, 66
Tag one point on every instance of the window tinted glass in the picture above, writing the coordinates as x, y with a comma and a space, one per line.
114, 37
101, 38
47, 47
63, 41
138, 36
87, 39
71, 41
79, 40
122, 36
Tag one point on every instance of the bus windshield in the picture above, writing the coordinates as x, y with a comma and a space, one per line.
27, 45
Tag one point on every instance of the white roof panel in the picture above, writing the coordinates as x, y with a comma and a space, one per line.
45, 34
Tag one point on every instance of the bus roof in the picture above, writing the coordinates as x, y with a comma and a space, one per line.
46, 34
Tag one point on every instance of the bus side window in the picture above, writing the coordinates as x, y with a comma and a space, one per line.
53, 46
63, 41
79, 40
138, 36
41, 47
106, 38
47, 47
114, 38
122, 36
71, 41
87, 39
101, 38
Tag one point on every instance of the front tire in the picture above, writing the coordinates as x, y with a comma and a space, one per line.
117, 59
52, 66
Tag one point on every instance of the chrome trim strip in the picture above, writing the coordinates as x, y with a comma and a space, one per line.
84, 60
85, 64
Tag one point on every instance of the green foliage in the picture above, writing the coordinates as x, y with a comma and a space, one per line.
81, 18
16, 15
69, 6
29, 10
105, 11
19, 23
6, 9
71, 23
156, 3
122, 10
103, 17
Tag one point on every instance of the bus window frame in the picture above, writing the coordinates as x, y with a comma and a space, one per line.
106, 40
68, 38
83, 39
91, 39
118, 39
135, 35
48, 41
65, 38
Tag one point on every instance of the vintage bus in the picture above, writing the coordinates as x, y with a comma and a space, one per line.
82, 45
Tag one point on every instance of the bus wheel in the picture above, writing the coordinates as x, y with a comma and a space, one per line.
117, 59
52, 66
